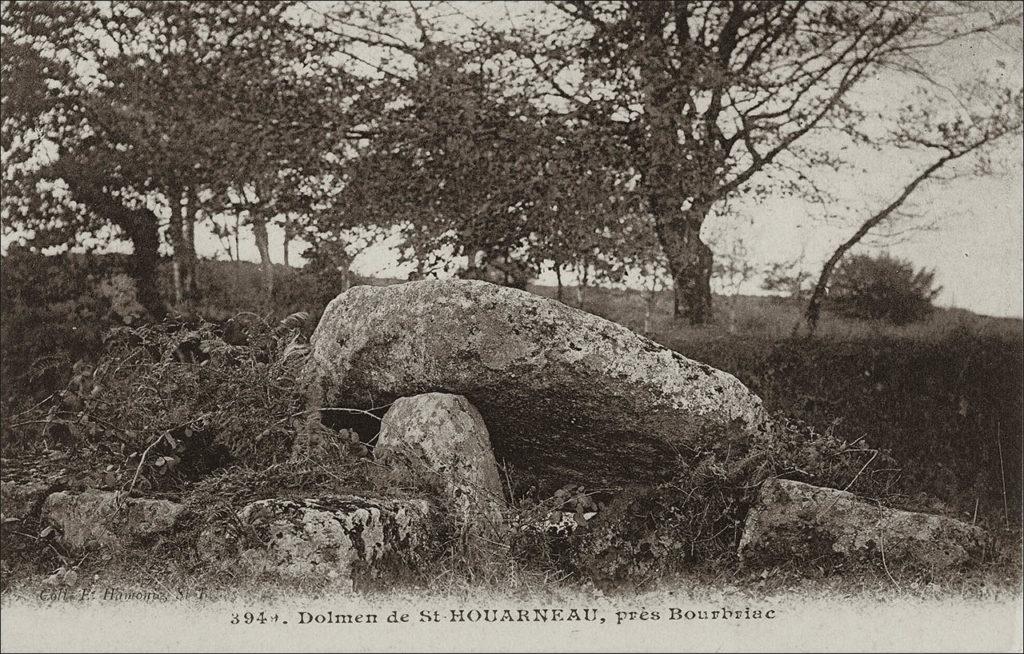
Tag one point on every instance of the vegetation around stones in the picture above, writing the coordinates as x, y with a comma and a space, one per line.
598, 142
948, 445
190, 397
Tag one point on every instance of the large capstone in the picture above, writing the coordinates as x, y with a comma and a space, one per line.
566, 395
795, 521
441, 440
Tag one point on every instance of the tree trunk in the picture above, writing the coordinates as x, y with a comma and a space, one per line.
191, 280
141, 226
175, 236
813, 312
142, 229
182, 237
690, 262
560, 294
581, 285
650, 299
678, 189
287, 235
259, 230
419, 272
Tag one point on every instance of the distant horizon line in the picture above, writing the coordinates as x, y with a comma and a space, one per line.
538, 283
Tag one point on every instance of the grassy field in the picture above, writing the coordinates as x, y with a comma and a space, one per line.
944, 397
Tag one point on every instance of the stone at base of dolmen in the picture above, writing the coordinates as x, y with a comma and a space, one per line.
795, 521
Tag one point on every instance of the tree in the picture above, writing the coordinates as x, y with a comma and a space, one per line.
789, 277
34, 103
464, 169
296, 115
734, 269
998, 113
716, 98
166, 108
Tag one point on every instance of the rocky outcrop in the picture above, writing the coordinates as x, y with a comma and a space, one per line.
792, 521
566, 395
21, 501
442, 440
331, 537
108, 520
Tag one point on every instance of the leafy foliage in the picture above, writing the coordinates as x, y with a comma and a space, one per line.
130, 112
882, 288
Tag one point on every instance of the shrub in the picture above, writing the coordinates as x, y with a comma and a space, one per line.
697, 516
882, 288
185, 398
55, 311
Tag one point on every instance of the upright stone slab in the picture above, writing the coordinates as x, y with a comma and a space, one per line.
442, 439
792, 521
567, 396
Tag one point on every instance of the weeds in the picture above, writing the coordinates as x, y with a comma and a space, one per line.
207, 414
176, 401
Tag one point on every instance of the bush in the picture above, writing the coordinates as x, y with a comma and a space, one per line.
697, 516
55, 312
178, 400
882, 288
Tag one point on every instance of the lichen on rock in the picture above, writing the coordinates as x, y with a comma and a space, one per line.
796, 521
335, 537
442, 440
109, 520
566, 395
19, 501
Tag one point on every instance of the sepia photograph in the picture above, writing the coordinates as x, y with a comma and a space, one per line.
564, 325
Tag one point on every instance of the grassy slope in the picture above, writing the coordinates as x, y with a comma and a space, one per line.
945, 396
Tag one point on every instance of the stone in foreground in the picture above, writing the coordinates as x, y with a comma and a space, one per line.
442, 439
21, 501
104, 519
328, 537
793, 520
566, 395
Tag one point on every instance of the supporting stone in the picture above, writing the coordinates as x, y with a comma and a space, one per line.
98, 519
442, 440
329, 537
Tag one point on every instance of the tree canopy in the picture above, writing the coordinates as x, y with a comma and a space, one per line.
594, 136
